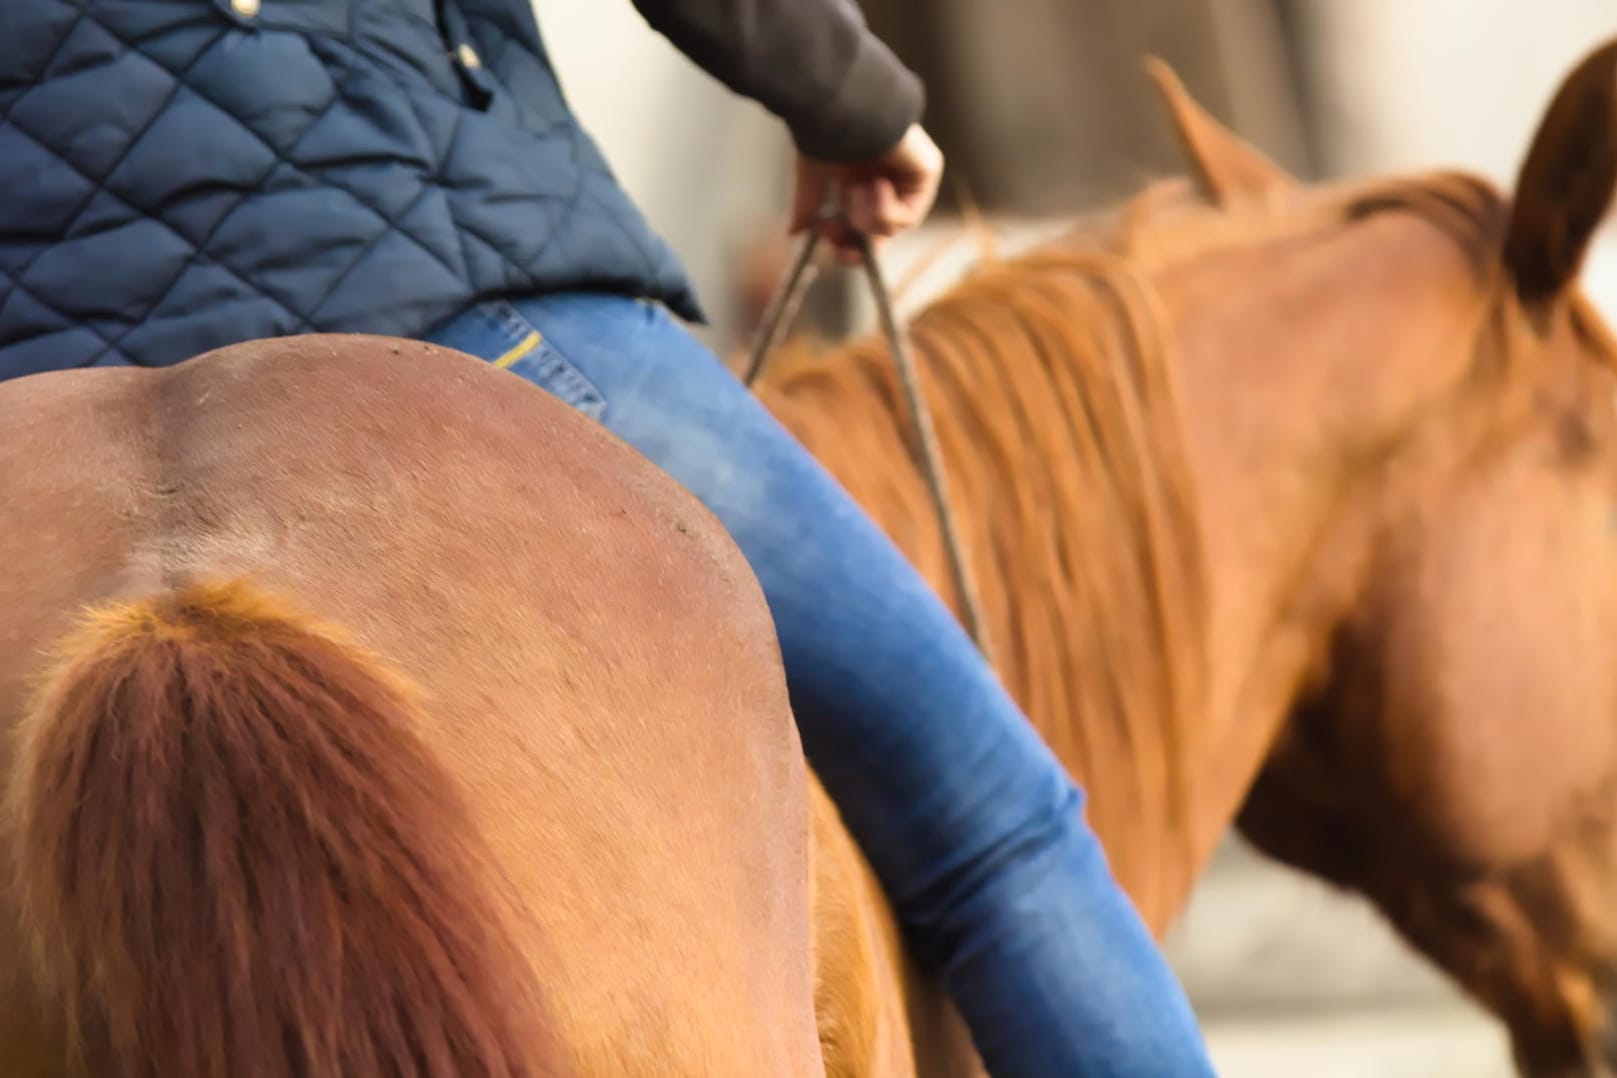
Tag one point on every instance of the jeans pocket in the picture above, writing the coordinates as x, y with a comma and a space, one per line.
545, 366
502, 335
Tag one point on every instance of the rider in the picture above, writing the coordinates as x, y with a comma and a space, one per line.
185, 175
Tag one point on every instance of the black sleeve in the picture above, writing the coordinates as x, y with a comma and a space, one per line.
814, 63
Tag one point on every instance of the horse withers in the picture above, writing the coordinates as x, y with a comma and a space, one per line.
1293, 505
368, 711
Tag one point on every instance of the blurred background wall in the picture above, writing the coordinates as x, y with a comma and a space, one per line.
1043, 111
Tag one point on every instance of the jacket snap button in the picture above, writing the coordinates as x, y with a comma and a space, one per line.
247, 9
468, 55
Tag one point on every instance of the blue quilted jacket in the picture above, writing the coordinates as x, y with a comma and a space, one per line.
179, 174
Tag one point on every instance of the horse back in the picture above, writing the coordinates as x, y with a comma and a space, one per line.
595, 667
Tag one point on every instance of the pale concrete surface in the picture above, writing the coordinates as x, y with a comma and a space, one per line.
1292, 978
1414, 1043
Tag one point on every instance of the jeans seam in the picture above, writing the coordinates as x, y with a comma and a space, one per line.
508, 319
561, 377
549, 366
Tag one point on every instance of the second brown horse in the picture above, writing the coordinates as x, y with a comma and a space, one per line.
1297, 503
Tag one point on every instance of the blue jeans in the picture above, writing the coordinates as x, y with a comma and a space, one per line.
973, 827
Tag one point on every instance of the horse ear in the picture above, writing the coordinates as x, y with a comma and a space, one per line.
1565, 185
1226, 166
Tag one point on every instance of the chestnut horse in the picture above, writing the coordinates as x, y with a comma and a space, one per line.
1297, 503
419, 727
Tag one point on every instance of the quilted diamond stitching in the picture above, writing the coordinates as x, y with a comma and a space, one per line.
563, 210
61, 43
182, 82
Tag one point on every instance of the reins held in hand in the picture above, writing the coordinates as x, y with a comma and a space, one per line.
783, 306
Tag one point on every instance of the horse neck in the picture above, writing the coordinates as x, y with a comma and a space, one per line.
1056, 412
1333, 378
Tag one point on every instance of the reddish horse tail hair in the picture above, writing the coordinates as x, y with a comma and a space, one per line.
235, 856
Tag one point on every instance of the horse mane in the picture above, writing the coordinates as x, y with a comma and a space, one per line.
1052, 385
1052, 381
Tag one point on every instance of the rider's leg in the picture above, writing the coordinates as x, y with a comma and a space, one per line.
973, 827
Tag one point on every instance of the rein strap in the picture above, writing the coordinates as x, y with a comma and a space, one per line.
780, 313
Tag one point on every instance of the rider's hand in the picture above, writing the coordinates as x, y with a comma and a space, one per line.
881, 196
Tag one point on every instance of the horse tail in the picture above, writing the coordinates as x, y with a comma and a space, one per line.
236, 856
